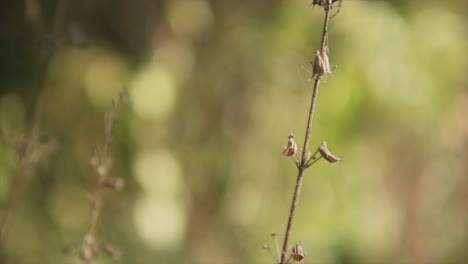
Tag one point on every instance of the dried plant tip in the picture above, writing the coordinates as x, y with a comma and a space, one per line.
321, 64
291, 149
114, 183
323, 2
88, 250
112, 251
87, 253
104, 166
297, 252
326, 154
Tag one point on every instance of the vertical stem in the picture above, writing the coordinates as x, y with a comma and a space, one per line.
20, 181
305, 149
97, 204
327, 8
302, 168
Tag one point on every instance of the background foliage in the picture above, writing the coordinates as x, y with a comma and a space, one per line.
216, 87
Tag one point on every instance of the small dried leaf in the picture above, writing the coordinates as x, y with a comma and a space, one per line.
321, 65
326, 154
291, 149
297, 252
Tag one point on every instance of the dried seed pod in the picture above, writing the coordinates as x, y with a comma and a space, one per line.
326, 154
323, 2
291, 149
321, 65
297, 252
88, 250
87, 253
114, 183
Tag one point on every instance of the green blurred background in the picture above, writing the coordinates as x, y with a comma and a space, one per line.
215, 88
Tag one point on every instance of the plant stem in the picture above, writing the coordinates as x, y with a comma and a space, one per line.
29, 142
305, 149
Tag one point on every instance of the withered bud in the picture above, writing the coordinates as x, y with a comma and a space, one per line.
291, 149
323, 2
297, 252
114, 183
112, 251
102, 169
87, 253
88, 250
326, 154
321, 65
103, 166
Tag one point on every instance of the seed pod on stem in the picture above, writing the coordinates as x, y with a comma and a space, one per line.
291, 149
321, 65
297, 252
326, 154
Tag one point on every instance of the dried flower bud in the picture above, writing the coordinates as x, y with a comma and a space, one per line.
88, 250
87, 253
103, 166
326, 154
291, 149
317, 2
321, 65
323, 2
114, 183
112, 250
297, 252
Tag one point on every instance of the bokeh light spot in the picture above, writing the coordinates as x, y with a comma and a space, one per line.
161, 223
190, 17
105, 76
153, 92
159, 173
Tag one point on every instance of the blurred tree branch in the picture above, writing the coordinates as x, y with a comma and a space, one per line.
49, 45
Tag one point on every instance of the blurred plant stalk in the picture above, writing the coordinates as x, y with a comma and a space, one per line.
26, 161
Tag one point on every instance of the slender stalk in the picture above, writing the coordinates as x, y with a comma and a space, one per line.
305, 149
97, 205
102, 164
29, 142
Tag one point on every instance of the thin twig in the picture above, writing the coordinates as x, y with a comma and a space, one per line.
313, 162
102, 163
303, 165
29, 142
